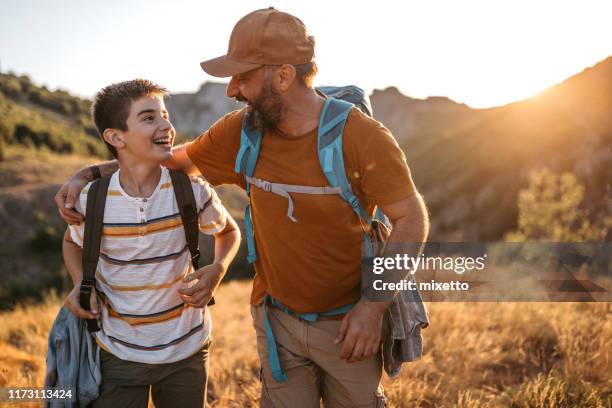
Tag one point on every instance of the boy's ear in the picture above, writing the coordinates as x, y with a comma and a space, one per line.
113, 137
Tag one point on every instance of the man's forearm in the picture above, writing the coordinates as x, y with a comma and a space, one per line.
181, 161
106, 169
407, 237
227, 243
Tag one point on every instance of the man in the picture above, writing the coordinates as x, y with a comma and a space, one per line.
312, 265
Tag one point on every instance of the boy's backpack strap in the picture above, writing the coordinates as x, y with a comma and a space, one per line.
94, 219
183, 192
331, 157
246, 160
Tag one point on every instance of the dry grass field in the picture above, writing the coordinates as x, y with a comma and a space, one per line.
540, 355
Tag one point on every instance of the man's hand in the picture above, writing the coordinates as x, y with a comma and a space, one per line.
73, 305
66, 197
360, 331
208, 278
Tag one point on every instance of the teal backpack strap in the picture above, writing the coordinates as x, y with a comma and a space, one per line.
246, 160
331, 157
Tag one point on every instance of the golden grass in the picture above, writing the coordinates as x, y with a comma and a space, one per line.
536, 355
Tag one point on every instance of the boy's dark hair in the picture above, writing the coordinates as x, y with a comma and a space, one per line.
111, 106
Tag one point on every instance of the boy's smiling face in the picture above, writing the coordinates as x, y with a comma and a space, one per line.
149, 135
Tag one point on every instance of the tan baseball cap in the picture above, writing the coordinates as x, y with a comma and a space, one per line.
263, 37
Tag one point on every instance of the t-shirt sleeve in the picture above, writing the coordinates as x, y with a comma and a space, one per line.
384, 174
212, 215
77, 231
214, 151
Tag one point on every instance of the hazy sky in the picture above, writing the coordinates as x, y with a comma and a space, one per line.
482, 53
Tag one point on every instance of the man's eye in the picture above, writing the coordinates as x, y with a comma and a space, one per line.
148, 118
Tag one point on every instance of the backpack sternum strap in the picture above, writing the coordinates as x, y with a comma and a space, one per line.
284, 190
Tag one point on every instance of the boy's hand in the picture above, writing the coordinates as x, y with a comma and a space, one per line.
73, 305
208, 278
66, 197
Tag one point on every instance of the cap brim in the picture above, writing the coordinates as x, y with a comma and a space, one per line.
224, 67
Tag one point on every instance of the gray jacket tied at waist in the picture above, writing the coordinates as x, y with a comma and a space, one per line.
73, 361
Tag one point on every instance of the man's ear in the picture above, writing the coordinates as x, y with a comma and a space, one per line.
113, 138
286, 76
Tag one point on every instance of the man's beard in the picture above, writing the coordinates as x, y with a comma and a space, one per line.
267, 109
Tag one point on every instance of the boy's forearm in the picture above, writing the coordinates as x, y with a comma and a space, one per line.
73, 259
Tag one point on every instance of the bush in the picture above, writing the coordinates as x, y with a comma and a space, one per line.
47, 237
550, 210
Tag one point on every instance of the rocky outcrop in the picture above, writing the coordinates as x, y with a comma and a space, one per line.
194, 113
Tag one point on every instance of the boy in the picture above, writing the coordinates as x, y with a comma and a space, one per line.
155, 327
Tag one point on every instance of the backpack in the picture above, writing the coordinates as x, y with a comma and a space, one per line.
94, 218
335, 111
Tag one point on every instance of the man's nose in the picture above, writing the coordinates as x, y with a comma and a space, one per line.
232, 88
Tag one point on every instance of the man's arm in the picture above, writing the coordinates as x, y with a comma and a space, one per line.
73, 258
209, 277
361, 328
69, 192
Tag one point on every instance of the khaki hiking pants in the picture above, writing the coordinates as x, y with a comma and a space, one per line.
311, 360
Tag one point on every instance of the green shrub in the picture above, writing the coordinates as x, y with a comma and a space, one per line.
550, 210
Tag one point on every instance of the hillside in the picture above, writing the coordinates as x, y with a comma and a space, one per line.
33, 116
472, 167
477, 355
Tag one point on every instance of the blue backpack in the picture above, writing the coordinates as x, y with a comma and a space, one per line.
335, 111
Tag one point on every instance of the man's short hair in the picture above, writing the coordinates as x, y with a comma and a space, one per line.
305, 73
111, 106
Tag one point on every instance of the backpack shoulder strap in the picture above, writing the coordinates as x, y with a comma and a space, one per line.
250, 143
246, 160
330, 151
183, 192
185, 199
94, 219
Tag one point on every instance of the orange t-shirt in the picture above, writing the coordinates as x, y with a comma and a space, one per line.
313, 265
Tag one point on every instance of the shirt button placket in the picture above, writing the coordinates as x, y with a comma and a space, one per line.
143, 220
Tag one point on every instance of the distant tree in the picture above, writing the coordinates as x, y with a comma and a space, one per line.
549, 209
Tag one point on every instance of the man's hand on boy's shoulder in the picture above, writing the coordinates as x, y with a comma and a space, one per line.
74, 306
66, 198
208, 278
